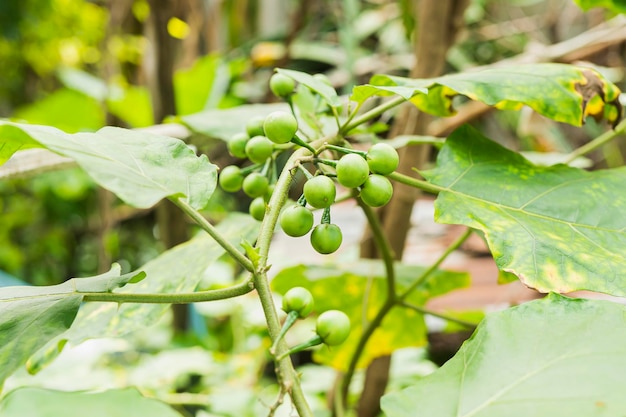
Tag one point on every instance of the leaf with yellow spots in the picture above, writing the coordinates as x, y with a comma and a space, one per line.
553, 357
557, 228
558, 91
359, 291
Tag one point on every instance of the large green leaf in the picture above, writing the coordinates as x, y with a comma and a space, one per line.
617, 6
177, 270
39, 402
327, 92
557, 228
141, 168
564, 93
359, 290
556, 357
32, 316
224, 123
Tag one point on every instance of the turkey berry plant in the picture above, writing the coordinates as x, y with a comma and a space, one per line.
334, 167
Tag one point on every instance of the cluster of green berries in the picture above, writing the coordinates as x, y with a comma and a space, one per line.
332, 326
265, 137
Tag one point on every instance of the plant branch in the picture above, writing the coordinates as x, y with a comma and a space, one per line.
179, 298
446, 317
597, 142
212, 231
372, 114
417, 183
419, 281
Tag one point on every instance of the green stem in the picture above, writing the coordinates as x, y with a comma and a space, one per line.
302, 143
292, 317
372, 114
179, 298
324, 161
597, 142
287, 374
386, 254
212, 231
316, 340
342, 150
414, 182
419, 281
445, 317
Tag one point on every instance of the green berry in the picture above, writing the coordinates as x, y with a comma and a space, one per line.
231, 179
382, 159
255, 185
296, 220
326, 238
257, 208
254, 127
352, 170
320, 191
280, 127
333, 327
281, 85
376, 191
300, 300
237, 145
258, 149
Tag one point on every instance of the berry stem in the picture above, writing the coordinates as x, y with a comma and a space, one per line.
292, 316
344, 150
328, 162
302, 143
372, 114
326, 216
316, 340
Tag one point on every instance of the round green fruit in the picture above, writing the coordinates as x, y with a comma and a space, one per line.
376, 191
281, 85
255, 185
254, 127
320, 191
296, 220
352, 170
382, 159
300, 300
257, 208
326, 238
237, 145
258, 149
280, 127
231, 179
333, 327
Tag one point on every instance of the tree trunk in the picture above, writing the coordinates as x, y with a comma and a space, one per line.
438, 23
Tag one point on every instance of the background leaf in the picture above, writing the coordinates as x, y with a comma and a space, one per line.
345, 287
32, 316
616, 6
328, 93
177, 270
556, 357
38, 402
558, 91
224, 123
557, 228
139, 167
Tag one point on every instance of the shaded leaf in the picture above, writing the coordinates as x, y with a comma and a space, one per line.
347, 287
31, 316
556, 357
141, 168
564, 93
616, 6
224, 123
557, 228
328, 93
177, 270
39, 402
